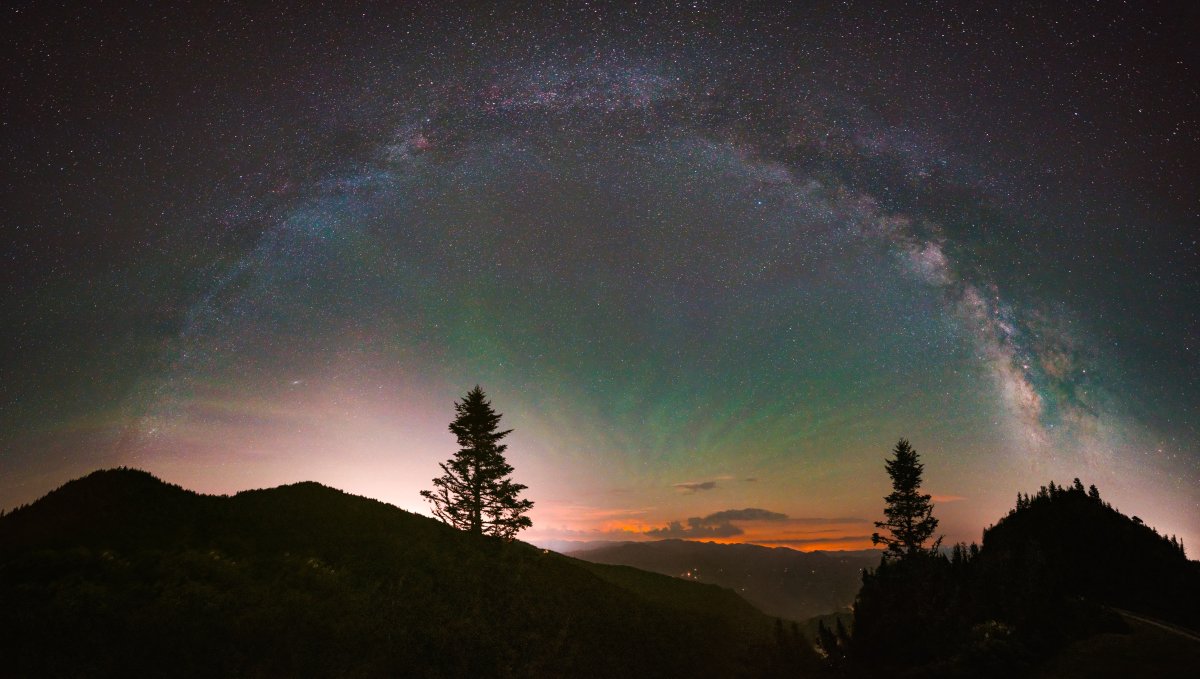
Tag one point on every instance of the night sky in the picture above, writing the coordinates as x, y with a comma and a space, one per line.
703, 256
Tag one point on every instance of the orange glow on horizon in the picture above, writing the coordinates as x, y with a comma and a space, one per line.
817, 545
802, 535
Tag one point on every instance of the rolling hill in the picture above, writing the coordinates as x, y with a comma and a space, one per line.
119, 573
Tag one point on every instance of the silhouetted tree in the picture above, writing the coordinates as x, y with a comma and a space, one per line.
1042, 579
909, 514
827, 640
475, 492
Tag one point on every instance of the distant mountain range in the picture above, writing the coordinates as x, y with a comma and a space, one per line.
779, 581
120, 574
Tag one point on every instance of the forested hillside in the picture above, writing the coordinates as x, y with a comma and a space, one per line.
120, 574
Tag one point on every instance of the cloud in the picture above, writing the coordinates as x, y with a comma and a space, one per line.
696, 528
747, 514
715, 525
693, 486
948, 498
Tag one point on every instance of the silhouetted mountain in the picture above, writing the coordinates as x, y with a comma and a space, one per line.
573, 546
1056, 570
779, 581
121, 574
1084, 547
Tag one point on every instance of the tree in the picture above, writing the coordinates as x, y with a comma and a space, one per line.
474, 492
909, 514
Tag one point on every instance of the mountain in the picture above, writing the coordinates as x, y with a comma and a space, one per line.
1063, 582
778, 581
121, 574
1078, 545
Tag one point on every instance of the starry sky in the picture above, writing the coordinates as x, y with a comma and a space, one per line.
710, 260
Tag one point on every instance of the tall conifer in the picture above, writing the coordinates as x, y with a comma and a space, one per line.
475, 492
909, 513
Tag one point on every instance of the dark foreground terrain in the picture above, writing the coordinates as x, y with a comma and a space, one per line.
120, 574
1063, 583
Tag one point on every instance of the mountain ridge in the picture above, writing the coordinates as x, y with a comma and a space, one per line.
779, 581
153, 579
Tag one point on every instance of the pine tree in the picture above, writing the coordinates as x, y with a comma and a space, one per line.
475, 492
833, 643
909, 514
843, 635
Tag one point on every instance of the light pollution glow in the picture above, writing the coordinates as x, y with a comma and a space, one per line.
676, 316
